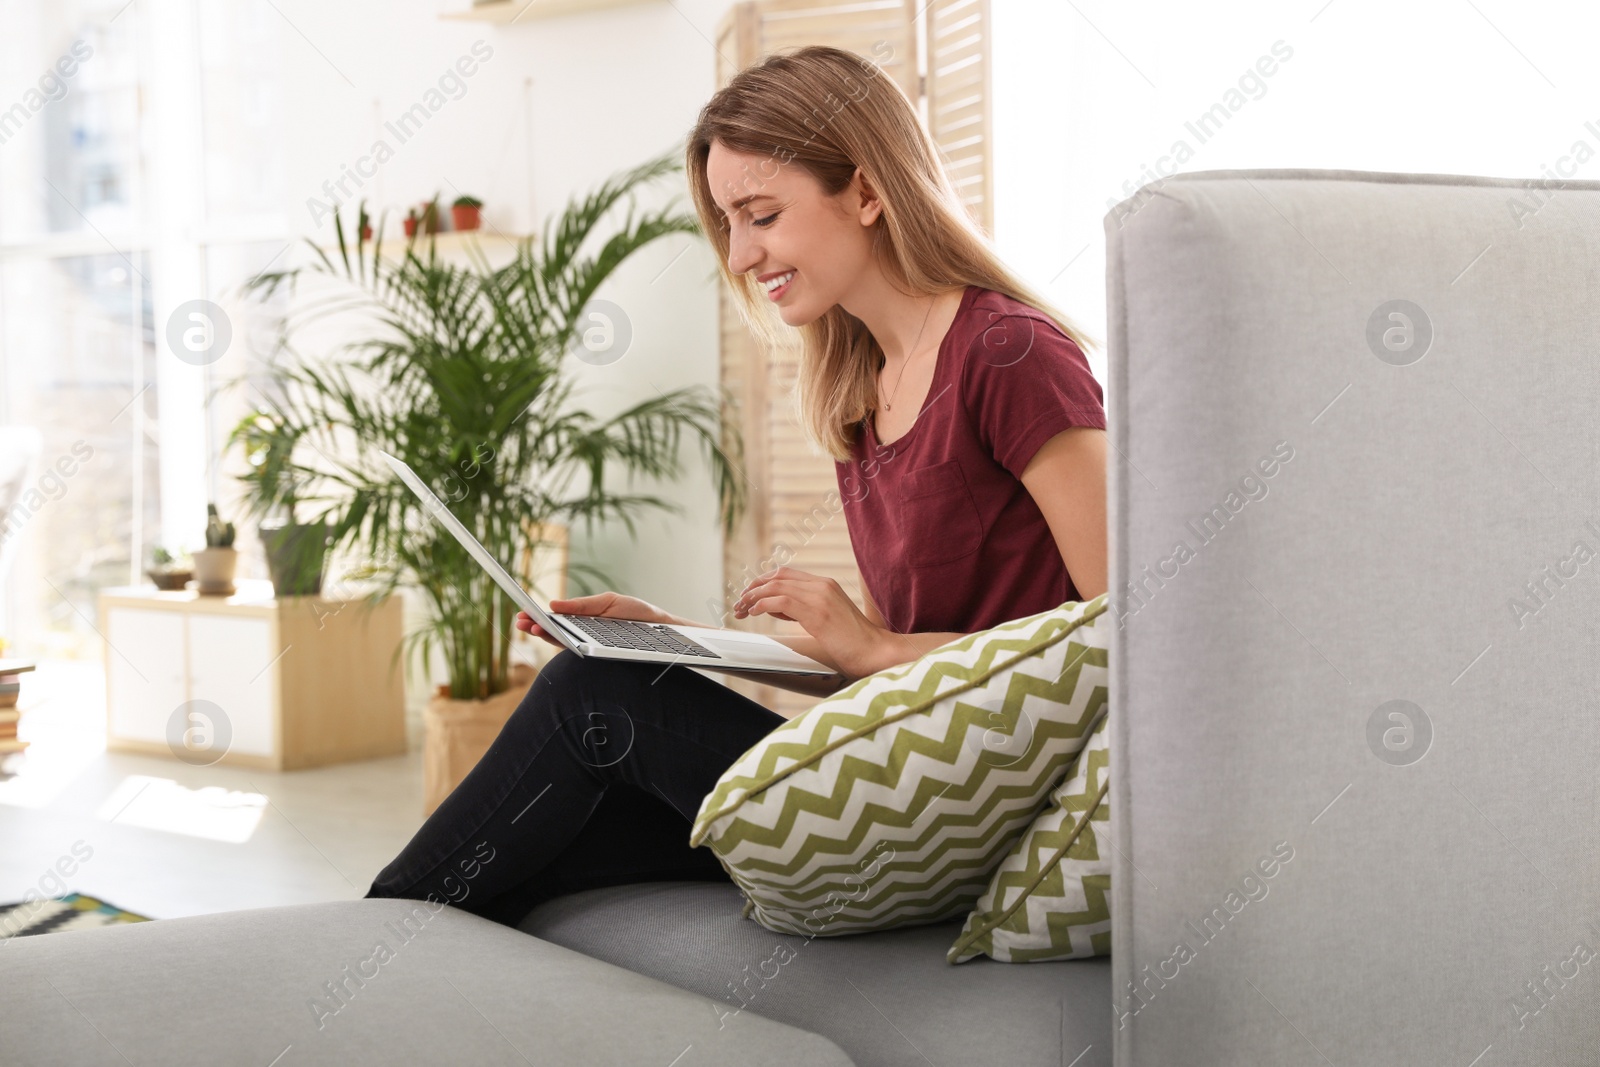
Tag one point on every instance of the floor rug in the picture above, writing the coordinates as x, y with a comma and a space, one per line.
71, 912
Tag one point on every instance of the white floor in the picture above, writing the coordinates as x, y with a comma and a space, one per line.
165, 839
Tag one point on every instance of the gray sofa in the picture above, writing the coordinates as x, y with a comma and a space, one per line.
1338, 899
661, 974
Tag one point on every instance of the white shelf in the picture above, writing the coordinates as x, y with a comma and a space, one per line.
504, 12
450, 244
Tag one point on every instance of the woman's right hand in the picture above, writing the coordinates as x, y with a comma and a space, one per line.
608, 605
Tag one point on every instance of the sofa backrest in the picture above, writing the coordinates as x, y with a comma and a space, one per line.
1355, 560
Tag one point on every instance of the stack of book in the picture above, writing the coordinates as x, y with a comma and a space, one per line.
11, 672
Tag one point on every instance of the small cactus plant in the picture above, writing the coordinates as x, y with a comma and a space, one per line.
219, 534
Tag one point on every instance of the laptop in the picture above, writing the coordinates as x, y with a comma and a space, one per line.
624, 639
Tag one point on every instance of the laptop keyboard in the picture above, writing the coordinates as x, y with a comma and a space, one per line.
628, 633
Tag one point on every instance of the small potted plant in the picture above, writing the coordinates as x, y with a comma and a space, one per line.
169, 574
428, 216
466, 213
214, 565
295, 551
411, 222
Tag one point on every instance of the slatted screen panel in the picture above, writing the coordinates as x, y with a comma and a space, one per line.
958, 97
789, 483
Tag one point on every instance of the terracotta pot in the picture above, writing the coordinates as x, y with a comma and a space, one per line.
466, 218
411, 227
456, 734
213, 570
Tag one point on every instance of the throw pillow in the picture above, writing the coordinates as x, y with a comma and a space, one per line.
1050, 899
890, 802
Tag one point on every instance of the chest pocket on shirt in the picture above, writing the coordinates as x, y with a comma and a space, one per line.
938, 519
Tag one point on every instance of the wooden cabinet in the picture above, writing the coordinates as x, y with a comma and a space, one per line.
250, 679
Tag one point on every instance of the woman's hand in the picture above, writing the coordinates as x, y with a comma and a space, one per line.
609, 605
852, 643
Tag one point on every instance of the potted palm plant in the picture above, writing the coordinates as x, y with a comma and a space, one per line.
465, 377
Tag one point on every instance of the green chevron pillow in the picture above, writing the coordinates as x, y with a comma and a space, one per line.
890, 802
1050, 899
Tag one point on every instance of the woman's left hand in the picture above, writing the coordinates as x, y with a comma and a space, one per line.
820, 605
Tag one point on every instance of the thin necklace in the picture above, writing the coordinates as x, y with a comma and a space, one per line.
887, 404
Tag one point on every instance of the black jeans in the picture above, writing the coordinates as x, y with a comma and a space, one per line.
595, 780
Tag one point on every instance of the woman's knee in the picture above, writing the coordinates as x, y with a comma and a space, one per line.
586, 701
575, 679
567, 681
561, 670
572, 694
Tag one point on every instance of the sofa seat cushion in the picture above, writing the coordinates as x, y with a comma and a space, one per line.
885, 998
304, 984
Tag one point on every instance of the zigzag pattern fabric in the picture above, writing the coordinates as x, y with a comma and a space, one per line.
892, 801
1050, 899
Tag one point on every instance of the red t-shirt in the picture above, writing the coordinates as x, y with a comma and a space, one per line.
946, 535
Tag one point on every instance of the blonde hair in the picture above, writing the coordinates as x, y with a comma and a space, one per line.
829, 111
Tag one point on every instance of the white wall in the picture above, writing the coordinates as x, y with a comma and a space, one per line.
1088, 95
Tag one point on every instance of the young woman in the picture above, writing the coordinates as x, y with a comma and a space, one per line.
968, 439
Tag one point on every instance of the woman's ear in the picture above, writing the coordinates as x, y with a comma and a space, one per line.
871, 207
